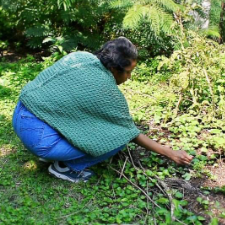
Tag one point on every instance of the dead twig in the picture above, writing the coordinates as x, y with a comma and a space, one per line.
147, 208
158, 186
131, 158
123, 167
172, 206
177, 106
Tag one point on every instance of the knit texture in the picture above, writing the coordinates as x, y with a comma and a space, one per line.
79, 98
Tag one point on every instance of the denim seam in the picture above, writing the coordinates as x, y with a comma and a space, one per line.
39, 140
17, 115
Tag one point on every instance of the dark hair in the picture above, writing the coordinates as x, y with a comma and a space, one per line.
117, 54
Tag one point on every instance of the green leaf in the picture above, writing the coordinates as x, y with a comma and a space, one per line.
201, 218
215, 131
214, 221
187, 176
48, 39
163, 200
178, 195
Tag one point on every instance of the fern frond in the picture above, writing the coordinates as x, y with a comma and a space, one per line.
118, 4
68, 16
166, 23
133, 16
153, 17
200, 12
159, 20
8, 5
169, 5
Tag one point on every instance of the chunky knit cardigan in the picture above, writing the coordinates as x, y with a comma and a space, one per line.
79, 98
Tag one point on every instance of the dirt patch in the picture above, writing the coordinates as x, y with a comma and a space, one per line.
216, 197
191, 191
217, 172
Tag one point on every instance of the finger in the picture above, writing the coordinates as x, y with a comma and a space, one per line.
182, 162
185, 162
189, 157
188, 160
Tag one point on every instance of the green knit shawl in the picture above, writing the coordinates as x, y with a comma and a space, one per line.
79, 98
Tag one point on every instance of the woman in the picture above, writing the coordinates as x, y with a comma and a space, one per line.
74, 114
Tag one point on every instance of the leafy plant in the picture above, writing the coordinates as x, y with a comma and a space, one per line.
197, 88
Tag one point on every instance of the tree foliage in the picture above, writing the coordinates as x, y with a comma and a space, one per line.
66, 25
77, 22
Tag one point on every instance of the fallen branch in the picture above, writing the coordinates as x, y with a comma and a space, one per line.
146, 195
172, 206
163, 184
135, 185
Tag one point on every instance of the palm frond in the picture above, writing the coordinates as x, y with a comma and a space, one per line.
37, 31
35, 42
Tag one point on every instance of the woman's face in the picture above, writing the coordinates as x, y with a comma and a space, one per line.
122, 77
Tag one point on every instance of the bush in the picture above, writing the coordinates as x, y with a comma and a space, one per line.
198, 76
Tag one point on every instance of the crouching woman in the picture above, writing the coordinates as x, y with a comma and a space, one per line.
74, 114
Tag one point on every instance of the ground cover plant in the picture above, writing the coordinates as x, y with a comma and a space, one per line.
174, 102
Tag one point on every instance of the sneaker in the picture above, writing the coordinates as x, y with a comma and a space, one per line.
66, 173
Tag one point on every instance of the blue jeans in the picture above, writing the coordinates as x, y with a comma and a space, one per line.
45, 142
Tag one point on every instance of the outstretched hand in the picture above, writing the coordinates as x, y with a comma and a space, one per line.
181, 157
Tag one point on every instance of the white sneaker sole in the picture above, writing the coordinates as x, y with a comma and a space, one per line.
63, 177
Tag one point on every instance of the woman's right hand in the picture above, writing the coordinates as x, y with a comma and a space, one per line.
180, 157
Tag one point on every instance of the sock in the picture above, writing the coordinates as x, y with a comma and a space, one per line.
62, 165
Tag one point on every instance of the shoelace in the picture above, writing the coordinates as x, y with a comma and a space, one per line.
78, 173
81, 173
